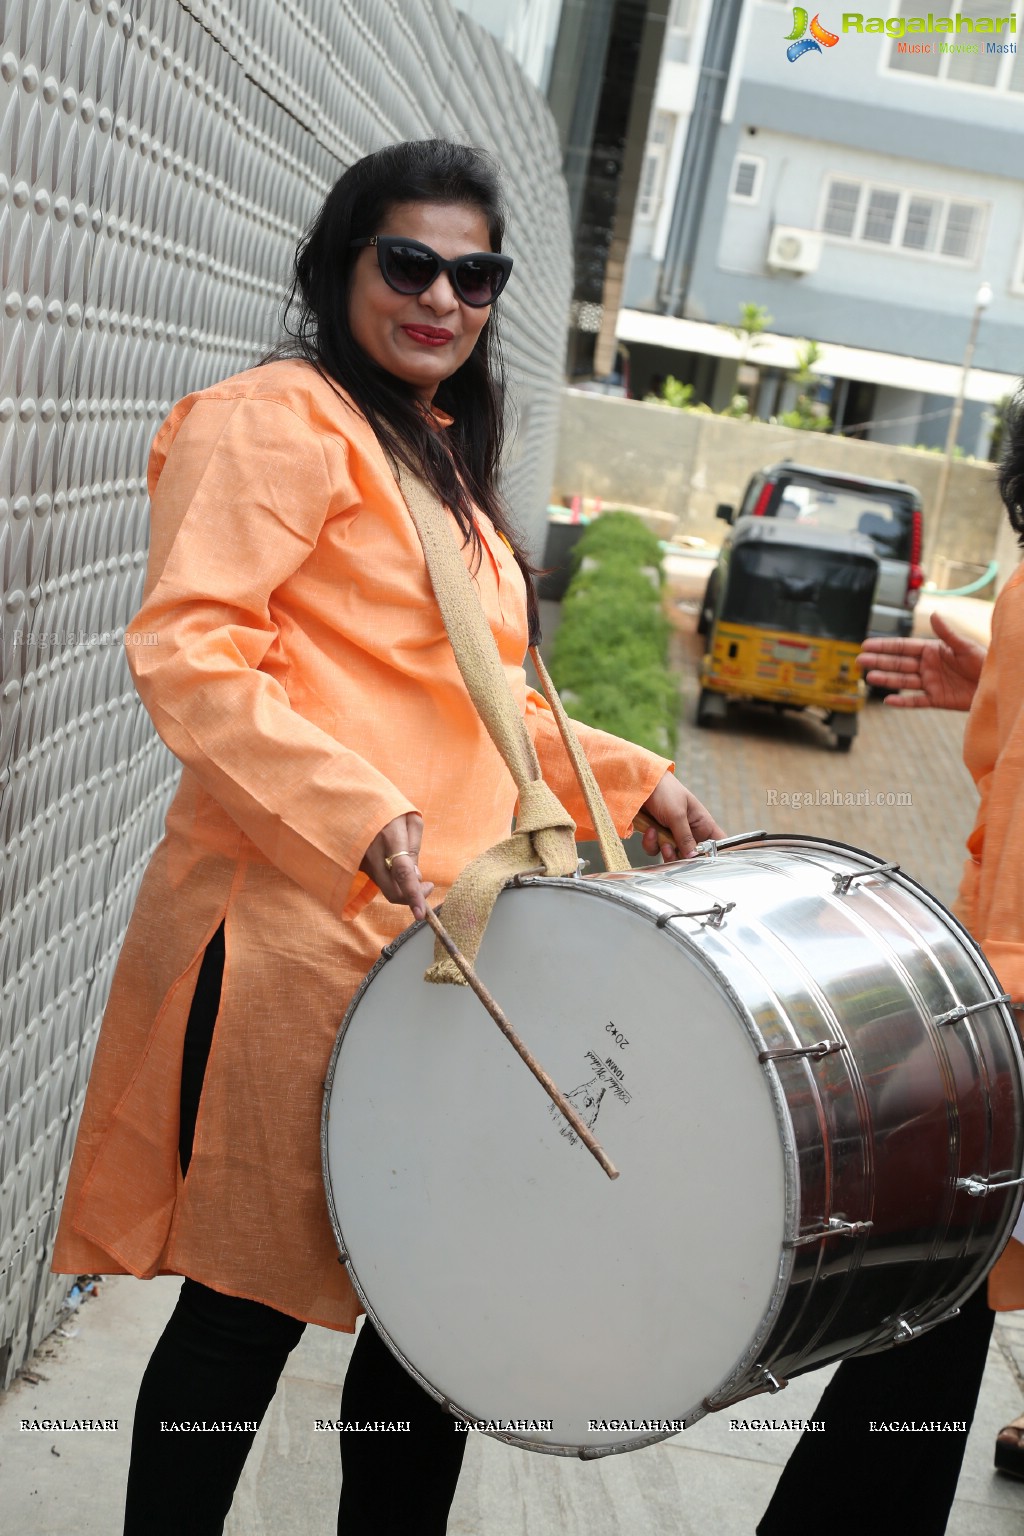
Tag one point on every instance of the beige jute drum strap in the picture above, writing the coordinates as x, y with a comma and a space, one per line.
612, 851
544, 834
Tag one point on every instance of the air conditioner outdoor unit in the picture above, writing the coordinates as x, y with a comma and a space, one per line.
794, 250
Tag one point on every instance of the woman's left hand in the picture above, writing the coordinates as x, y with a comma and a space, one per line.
681, 814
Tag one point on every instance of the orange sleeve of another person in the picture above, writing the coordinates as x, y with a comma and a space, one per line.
991, 898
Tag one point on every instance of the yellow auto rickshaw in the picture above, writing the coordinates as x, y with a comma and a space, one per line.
792, 610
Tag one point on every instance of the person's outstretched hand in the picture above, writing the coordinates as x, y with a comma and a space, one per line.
672, 806
941, 673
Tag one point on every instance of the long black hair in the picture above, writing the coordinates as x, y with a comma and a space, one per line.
460, 464
1011, 464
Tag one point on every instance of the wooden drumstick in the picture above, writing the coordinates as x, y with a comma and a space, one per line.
665, 839
554, 1093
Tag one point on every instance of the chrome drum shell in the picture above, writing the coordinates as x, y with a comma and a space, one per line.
870, 1044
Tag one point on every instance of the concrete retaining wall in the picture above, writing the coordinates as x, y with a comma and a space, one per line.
624, 451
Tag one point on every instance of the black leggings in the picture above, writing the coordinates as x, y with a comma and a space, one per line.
219, 1360
848, 1475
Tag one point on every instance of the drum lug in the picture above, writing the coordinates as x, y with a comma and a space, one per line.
814, 1052
962, 1011
906, 1333
974, 1184
711, 847
764, 1381
713, 915
833, 1228
842, 883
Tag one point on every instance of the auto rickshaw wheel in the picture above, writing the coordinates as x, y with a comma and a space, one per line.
705, 713
707, 608
844, 743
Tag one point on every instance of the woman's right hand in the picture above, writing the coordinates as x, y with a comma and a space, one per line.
402, 883
942, 673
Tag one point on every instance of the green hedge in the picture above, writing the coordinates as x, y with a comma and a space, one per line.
610, 652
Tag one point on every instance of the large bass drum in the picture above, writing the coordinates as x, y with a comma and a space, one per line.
806, 1073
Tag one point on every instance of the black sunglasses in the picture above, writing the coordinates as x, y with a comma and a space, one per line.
410, 267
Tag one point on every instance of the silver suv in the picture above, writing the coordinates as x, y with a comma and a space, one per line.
888, 511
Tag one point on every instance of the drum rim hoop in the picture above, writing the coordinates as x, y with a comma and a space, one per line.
608, 887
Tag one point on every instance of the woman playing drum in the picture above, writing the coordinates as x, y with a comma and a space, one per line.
296, 663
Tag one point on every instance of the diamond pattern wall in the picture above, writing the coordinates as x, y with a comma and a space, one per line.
158, 161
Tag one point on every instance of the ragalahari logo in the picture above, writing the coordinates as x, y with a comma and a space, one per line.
799, 44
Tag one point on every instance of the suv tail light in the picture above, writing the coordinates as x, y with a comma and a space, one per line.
761, 505
915, 578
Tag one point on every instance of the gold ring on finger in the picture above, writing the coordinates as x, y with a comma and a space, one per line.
403, 853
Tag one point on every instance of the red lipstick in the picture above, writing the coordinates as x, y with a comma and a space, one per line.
427, 335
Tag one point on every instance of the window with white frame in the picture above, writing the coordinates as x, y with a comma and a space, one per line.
921, 224
880, 215
988, 70
679, 35
841, 208
959, 237
946, 227
652, 175
747, 175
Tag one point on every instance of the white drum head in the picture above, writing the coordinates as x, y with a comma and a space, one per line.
516, 1280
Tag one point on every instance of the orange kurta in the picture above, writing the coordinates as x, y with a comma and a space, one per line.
291, 653
991, 898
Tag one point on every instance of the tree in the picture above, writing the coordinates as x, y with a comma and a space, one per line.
754, 319
807, 415
672, 392
999, 411
807, 354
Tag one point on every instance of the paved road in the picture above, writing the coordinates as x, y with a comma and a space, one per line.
711, 1481
913, 799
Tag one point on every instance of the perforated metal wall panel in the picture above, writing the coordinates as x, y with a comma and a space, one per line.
157, 164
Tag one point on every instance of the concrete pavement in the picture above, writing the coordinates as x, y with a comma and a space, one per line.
710, 1481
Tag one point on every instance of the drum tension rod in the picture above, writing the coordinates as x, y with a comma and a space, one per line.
834, 1227
961, 1011
842, 883
713, 915
974, 1184
710, 846
816, 1052
540, 869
